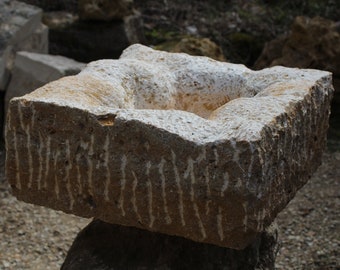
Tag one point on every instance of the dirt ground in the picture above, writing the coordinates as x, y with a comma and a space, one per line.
33, 237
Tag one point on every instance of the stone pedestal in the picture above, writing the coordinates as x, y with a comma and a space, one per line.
104, 246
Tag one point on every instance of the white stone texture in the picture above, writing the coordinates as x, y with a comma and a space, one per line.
171, 143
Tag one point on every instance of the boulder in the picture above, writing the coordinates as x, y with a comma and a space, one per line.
20, 29
170, 143
194, 46
105, 10
311, 43
101, 246
33, 70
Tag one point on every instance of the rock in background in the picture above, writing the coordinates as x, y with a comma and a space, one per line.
87, 41
33, 70
194, 46
99, 29
104, 30
20, 29
311, 43
90, 30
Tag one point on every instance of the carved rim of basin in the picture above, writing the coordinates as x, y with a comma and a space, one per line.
216, 150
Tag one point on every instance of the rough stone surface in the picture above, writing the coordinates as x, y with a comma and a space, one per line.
170, 143
102, 246
87, 41
37, 42
104, 10
33, 70
20, 29
311, 43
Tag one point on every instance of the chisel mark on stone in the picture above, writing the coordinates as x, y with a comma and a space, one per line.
165, 204
190, 171
179, 188
106, 164
68, 167
219, 223
56, 185
149, 186
122, 184
134, 199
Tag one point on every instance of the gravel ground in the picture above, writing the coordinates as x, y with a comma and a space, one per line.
33, 237
310, 224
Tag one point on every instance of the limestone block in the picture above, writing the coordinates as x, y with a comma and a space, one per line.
170, 143
18, 20
20, 29
37, 42
33, 70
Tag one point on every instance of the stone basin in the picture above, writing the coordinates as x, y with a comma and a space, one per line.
170, 143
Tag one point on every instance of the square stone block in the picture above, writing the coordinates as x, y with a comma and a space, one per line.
171, 143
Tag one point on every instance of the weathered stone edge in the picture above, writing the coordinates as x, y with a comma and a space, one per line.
50, 185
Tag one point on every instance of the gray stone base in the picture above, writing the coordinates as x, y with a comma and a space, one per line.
102, 246
2, 113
